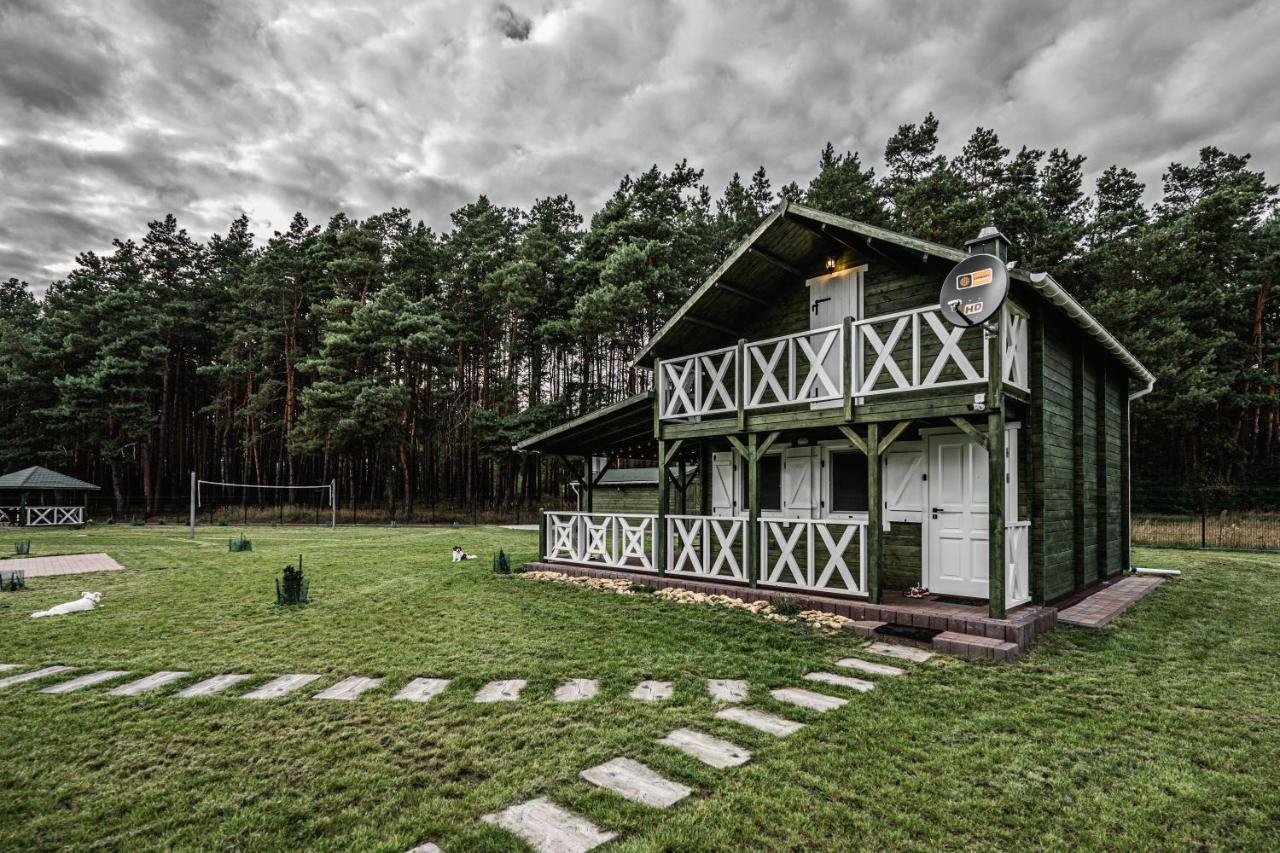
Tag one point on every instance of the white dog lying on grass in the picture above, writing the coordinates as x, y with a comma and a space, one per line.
86, 601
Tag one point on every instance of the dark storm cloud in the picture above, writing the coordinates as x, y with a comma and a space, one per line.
113, 115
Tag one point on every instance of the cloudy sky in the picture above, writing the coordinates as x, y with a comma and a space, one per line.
113, 113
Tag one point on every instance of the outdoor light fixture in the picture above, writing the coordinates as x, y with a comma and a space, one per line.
831, 264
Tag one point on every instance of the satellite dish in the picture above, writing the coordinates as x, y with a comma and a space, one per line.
974, 290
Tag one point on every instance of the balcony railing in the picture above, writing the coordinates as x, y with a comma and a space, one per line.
40, 516
608, 540
907, 351
1017, 548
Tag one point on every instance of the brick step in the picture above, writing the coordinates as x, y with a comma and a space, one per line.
950, 642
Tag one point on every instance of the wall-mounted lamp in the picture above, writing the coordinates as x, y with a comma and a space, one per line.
831, 264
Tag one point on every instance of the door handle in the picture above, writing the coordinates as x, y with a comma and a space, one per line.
937, 509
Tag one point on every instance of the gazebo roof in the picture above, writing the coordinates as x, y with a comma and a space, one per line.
38, 478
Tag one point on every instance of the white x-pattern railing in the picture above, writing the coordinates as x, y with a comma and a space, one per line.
710, 547
51, 516
609, 540
1017, 547
910, 350
819, 555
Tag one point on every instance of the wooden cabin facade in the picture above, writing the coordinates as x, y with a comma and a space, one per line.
847, 441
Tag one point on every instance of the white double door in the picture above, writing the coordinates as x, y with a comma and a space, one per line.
957, 517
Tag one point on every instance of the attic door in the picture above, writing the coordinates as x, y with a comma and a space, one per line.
832, 298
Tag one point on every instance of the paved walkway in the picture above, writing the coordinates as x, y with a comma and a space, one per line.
67, 564
1109, 602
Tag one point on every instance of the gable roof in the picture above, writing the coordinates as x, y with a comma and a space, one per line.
36, 477
797, 239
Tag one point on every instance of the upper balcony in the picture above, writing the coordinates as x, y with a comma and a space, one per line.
905, 353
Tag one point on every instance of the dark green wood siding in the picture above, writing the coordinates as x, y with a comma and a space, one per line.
1058, 460
902, 555
642, 499
1088, 473
1114, 423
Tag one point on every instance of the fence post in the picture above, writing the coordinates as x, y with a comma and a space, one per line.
1203, 522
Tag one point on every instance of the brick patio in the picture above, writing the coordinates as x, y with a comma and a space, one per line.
67, 564
1101, 607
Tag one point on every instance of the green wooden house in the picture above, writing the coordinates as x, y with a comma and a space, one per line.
849, 443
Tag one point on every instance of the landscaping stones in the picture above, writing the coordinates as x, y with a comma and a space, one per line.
501, 691
150, 682
891, 650
547, 828
761, 721
33, 675
421, 689
652, 691
86, 681
869, 667
709, 750
577, 689
282, 686
819, 702
633, 780
858, 684
727, 690
349, 689
210, 686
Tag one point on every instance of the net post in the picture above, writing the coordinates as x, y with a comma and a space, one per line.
333, 503
191, 524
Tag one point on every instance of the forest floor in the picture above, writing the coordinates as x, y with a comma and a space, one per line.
1160, 731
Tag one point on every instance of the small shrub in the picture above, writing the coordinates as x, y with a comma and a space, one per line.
111, 520
787, 607
292, 588
22, 549
237, 545
501, 563
12, 581
136, 522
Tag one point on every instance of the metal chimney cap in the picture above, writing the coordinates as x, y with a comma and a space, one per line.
988, 233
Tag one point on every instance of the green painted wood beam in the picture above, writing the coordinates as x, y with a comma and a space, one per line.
888, 440
970, 430
854, 438
875, 515
998, 564
771, 258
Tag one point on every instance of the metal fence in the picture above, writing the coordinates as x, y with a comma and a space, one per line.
1232, 518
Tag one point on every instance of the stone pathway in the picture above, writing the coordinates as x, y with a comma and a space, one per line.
422, 689
86, 681
709, 750
761, 721
5, 667
859, 684
577, 689
210, 686
892, 650
869, 667
67, 564
32, 676
819, 702
1109, 602
727, 690
150, 682
548, 828
633, 780
349, 689
282, 686
501, 691
652, 691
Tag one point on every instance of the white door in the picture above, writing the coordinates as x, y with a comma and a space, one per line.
831, 298
956, 517
723, 483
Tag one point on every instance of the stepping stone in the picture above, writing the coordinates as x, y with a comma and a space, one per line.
891, 650
32, 676
761, 721
349, 689
210, 686
633, 780
421, 689
707, 749
727, 690
151, 682
819, 702
869, 667
548, 828
652, 691
86, 681
5, 667
282, 686
501, 691
425, 848
859, 684
577, 689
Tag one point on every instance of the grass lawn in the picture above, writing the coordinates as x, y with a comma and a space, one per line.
1162, 731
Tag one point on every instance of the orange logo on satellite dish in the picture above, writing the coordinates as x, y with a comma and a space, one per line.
972, 308
977, 278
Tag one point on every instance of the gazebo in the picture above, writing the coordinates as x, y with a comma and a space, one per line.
50, 507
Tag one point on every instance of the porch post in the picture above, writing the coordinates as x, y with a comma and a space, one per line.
542, 535
875, 516
682, 502
664, 496
998, 561
588, 483
704, 477
753, 511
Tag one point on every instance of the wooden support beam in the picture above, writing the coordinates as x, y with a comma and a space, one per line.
854, 438
682, 486
664, 500
744, 295
753, 510
770, 257
710, 324
875, 515
673, 447
888, 440
740, 384
608, 463
753, 451
999, 563
970, 430
740, 447
846, 362
768, 442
